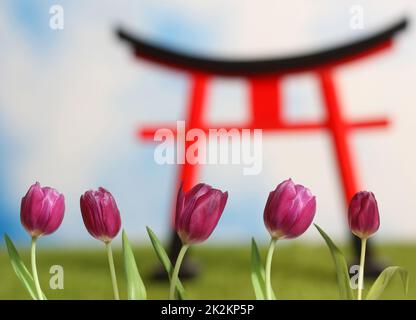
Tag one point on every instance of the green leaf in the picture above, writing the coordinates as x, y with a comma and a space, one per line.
343, 277
164, 259
383, 280
135, 286
20, 269
258, 274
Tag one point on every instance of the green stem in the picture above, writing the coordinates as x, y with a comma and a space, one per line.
361, 270
112, 270
175, 274
269, 268
34, 269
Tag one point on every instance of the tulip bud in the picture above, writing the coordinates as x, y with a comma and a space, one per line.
363, 216
42, 210
198, 212
100, 214
289, 210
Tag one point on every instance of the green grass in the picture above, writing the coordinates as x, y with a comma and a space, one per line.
299, 272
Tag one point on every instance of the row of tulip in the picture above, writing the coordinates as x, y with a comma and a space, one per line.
289, 212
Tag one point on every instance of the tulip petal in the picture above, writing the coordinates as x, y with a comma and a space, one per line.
111, 216
100, 214
180, 204
42, 210
304, 220
198, 212
289, 210
32, 207
363, 215
191, 197
281, 201
196, 192
206, 214
56, 216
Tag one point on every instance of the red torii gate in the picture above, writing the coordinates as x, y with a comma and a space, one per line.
264, 77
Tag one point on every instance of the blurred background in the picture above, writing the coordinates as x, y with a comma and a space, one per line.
71, 101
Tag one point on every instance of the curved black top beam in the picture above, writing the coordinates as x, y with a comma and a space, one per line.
263, 66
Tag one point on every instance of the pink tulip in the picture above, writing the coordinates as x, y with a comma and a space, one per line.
42, 210
289, 210
363, 216
100, 214
198, 212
